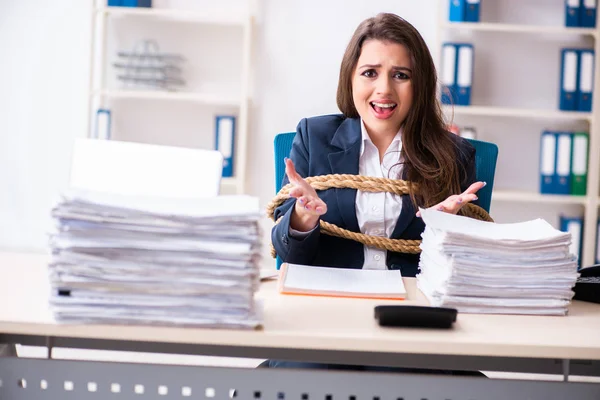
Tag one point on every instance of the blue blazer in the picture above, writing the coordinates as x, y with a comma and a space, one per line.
331, 144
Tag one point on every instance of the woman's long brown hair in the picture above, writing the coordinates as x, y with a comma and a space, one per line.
429, 152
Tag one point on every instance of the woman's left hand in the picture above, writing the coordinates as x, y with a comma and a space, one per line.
455, 202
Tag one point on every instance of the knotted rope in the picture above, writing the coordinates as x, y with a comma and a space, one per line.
366, 184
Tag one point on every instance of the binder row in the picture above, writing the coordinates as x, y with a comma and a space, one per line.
457, 73
129, 3
576, 79
575, 225
580, 13
464, 10
564, 163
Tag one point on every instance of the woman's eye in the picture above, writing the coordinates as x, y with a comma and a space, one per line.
369, 73
401, 75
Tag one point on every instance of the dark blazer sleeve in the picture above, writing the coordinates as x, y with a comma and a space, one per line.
467, 167
288, 248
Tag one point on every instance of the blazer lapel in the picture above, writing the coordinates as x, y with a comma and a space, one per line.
347, 138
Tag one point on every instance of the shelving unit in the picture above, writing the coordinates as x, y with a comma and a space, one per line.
517, 112
518, 28
533, 197
219, 97
591, 201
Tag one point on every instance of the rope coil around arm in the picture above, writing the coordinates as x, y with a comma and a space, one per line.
366, 184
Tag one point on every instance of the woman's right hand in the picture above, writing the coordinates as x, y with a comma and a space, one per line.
309, 207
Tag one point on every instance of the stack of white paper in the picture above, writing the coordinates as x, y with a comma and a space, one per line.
483, 267
150, 260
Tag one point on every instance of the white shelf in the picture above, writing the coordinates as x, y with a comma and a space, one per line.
517, 112
518, 28
534, 197
216, 18
204, 98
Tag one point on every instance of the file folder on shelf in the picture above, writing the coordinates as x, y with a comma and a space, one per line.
103, 124
579, 164
575, 227
572, 13
586, 80
569, 79
464, 74
457, 10
137, 3
598, 242
587, 16
225, 141
472, 10
547, 162
449, 62
564, 142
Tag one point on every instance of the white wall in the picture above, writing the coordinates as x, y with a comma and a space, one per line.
43, 86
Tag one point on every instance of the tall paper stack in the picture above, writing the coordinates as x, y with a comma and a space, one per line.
483, 267
150, 260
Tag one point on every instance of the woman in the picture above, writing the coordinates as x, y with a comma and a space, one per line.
391, 126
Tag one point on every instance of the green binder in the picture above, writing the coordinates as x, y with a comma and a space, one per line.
579, 163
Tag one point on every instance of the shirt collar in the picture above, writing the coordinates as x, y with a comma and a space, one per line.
396, 144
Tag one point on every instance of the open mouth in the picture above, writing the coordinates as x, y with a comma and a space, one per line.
383, 110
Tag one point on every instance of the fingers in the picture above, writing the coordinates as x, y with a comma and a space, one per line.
290, 171
454, 203
312, 205
474, 187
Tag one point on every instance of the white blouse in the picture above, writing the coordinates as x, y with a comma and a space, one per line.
377, 213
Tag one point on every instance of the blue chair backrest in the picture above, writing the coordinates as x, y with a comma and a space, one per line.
486, 155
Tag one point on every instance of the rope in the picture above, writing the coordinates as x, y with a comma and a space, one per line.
366, 184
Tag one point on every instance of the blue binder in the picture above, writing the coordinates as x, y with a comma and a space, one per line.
547, 162
448, 75
457, 10
464, 74
564, 144
115, 3
137, 3
103, 124
569, 79
598, 242
586, 80
587, 16
225, 142
574, 225
472, 10
572, 13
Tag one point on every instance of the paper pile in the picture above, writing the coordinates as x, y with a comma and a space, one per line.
483, 267
150, 260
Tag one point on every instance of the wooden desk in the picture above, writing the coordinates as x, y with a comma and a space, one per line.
305, 328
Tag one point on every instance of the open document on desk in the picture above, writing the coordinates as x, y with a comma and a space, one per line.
149, 260
484, 267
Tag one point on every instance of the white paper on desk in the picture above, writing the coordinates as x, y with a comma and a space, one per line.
124, 206
521, 233
133, 258
145, 169
304, 279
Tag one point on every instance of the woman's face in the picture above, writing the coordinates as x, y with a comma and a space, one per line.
382, 86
